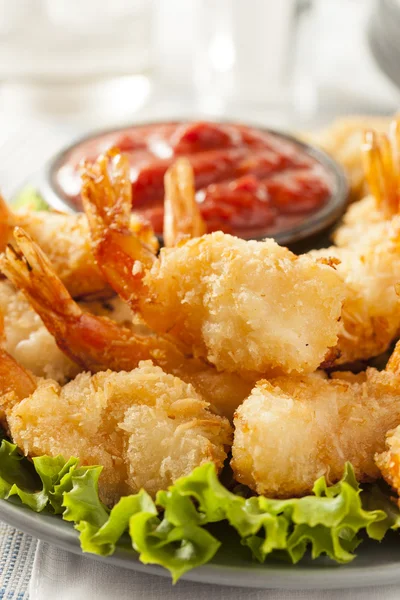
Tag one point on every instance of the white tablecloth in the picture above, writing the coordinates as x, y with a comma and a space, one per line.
60, 575
17, 551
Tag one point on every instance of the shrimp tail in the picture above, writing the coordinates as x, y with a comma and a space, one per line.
107, 183
182, 216
14, 378
107, 200
29, 269
16, 383
95, 343
381, 156
5, 223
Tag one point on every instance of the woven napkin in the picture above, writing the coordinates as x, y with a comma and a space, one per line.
16, 557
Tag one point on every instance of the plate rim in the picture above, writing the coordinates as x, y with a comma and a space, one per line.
270, 576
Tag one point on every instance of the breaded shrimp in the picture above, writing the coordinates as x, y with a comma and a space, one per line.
292, 430
146, 428
357, 222
343, 139
381, 158
368, 255
29, 342
97, 343
65, 239
247, 307
75, 331
370, 271
388, 462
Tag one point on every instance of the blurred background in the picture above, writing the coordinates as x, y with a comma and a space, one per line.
69, 66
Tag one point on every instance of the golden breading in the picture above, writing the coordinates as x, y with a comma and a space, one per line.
96, 343
247, 307
380, 153
370, 269
357, 222
292, 430
65, 239
388, 461
145, 427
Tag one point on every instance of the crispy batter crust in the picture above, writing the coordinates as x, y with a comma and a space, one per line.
145, 427
248, 307
388, 461
66, 241
370, 270
292, 430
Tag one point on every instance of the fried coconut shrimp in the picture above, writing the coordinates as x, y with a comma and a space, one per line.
96, 343
292, 430
246, 307
368, 257
388, 461
146, 428
26, 338
65, 239
343, 141
370, 271
381, 157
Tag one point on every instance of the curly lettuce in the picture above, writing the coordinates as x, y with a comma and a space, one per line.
176, 529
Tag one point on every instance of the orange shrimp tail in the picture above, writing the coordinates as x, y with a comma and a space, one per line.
13, 377
182, 217
30, 270
107, 183
107, 199
381, 157
95, 343
5, 223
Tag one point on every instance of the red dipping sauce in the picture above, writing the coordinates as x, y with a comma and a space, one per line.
249, 182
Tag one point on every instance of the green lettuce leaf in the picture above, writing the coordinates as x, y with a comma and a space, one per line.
178, 548
176, 529
379, 497
29, 198
33, 482
328, 521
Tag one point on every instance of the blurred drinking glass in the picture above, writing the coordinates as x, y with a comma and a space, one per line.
244, 56
69, 56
